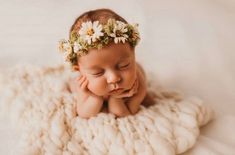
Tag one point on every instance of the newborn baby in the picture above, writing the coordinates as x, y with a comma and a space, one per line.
102, 49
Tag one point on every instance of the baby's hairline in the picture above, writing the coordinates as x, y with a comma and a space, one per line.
95, 49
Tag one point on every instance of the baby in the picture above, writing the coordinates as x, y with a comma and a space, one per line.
102, 49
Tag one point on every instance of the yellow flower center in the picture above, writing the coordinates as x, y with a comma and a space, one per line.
90, 32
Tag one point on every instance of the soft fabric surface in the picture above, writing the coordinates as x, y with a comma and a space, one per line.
38, 101
188, 45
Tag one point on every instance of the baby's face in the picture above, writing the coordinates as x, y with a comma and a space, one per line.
112, 67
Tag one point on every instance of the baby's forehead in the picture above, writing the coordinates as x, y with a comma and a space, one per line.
101, 63
108, 63
109, 55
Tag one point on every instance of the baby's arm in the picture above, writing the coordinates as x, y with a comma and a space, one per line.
117, 107
127, 102
90, 107
88, 104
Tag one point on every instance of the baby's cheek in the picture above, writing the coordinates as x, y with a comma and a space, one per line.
97, 87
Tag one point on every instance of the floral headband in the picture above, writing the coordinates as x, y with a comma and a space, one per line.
95, 35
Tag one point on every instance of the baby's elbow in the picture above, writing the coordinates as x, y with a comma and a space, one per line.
89, 109
134, 110
121, 113
86, 116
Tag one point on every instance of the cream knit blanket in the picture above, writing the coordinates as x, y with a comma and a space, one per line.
37, 99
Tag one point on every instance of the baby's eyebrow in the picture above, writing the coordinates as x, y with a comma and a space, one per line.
93, 67
124, 58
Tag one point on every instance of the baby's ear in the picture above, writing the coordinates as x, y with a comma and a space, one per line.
76, 68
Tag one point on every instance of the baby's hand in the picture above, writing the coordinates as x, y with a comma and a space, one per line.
129, 92
88, 104
83, 91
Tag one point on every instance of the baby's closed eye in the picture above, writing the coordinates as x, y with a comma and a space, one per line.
122, 66
97, 73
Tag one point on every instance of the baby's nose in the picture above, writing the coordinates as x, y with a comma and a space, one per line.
113, 78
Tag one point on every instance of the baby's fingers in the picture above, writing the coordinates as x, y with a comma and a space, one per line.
80, 79
84, 84
124, 94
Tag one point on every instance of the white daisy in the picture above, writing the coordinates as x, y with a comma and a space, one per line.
76, 47
90, 32
119, 31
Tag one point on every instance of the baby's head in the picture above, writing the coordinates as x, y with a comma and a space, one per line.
102, 48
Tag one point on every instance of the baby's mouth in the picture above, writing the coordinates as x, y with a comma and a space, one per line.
116, 90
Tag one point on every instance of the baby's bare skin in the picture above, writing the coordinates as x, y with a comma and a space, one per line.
124, 104
111, 81
128, 103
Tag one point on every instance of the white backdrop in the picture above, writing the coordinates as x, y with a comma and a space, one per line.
188, 46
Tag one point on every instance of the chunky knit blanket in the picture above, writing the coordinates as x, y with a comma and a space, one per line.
38, 101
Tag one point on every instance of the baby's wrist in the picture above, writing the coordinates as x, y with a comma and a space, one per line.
115, 98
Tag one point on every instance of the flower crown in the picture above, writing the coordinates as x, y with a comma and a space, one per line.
95, 35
